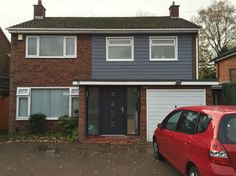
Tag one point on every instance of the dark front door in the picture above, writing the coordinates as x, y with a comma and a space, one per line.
112, 110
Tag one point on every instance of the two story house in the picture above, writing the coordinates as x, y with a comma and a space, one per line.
123, 74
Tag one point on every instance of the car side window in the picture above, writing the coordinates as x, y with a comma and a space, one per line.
190, 119
172, 120
203, 122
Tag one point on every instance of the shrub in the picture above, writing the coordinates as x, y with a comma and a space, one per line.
37, 123
68, 125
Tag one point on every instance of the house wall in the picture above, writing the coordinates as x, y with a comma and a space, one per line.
4, 58
223, 68
32, 72
141, 68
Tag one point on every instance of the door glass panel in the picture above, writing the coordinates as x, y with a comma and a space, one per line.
93, 111
74, 106
132, 110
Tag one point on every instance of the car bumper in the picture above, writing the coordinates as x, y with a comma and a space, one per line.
219, 170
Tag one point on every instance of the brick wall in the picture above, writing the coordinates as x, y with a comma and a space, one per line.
223, 68
31, 72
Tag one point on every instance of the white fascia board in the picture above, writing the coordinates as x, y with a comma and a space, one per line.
200, 83
81, 30
147, 83
75, 83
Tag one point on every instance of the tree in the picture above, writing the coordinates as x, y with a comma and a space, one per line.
218, 34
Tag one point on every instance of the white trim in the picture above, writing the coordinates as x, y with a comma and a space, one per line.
147, 127
197, 59
151, 83
174, 38
29, 101
38, 47
84, 30
74, 88
118, 59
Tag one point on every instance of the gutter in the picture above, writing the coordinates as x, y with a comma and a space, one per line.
84, 30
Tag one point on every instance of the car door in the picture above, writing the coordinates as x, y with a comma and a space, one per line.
182, 139
165, 135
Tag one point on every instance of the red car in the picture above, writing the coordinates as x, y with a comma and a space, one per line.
198, 140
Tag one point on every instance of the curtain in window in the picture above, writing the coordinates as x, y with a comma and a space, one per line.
23, 107
51, 46
51, 102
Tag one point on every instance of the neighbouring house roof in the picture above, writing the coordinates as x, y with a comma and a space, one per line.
88, 23
225, 55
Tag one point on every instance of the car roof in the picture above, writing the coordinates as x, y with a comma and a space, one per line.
212, 109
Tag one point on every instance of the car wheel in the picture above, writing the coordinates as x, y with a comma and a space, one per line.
156, 151
193, 171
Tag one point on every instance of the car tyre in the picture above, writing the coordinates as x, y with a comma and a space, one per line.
156, 151
193, 171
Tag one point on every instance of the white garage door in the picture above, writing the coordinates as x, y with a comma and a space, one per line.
160, 102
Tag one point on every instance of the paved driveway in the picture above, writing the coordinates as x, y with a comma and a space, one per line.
39, 159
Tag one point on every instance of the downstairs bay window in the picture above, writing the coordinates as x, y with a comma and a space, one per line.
53, 102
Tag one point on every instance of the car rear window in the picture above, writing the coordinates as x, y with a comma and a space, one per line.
203, 122
227, 134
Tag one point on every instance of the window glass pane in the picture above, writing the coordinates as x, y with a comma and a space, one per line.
93, 111
51, 46
23, 91
227, 134
119, 41
132, 110
190, 122
23, 107
74, 106
203, 122
75, 91
163, 52
51, 102
70, 46
32, 46
172, 121
160, 41
119, 52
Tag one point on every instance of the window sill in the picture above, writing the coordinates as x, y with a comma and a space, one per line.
163, 60
50, 57
119, 60
26, 118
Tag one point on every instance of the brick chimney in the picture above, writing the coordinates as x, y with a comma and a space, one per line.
174, 10
39, 10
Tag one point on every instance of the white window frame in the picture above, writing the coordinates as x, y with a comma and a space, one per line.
71, 95
175, 38
38, 49
118, 59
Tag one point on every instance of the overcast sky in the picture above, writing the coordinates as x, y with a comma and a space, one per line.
16, 11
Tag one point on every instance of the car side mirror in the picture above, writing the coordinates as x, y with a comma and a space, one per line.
159, 125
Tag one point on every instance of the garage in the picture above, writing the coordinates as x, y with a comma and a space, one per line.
161, 101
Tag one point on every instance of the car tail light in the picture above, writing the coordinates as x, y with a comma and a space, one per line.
218, 154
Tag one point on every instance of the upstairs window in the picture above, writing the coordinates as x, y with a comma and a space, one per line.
119, 49
163, 49
51, 46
